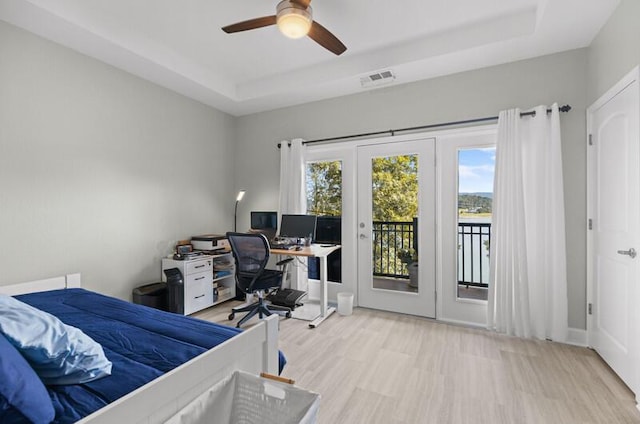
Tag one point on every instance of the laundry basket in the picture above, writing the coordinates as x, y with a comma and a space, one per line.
248, 399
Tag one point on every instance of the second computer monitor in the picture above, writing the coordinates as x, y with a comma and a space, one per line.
264, 220
298, 226
328, 230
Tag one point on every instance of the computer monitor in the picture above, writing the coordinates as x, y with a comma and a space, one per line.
298, 226
328, 230
264, 220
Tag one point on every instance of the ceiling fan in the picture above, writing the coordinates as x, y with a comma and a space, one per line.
295, 20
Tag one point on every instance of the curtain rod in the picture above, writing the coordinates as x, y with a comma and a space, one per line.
565, 108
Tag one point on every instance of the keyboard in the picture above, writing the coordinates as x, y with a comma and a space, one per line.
280, 244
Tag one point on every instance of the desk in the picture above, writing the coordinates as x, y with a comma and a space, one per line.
321, 252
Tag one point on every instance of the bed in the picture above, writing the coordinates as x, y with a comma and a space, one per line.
160, 361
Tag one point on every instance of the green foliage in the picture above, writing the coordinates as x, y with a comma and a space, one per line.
472, 202
395, 198
395, 188
407, 256
324, 188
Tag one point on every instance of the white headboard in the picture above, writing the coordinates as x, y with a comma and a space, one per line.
56, 283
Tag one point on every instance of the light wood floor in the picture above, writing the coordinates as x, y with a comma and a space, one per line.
378, 367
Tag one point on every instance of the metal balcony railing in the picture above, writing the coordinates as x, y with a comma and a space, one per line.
474, 238
389, 238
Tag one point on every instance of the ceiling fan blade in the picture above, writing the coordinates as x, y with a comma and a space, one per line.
303, 3
250, 24
326, 39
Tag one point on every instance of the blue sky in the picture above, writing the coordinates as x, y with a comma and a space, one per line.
476, 169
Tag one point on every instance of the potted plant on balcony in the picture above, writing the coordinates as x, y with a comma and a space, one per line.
409, 257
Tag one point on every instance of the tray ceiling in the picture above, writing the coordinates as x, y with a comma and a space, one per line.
179, 44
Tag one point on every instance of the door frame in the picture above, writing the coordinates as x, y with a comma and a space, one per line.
627, 80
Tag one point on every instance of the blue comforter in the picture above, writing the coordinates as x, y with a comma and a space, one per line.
142, 343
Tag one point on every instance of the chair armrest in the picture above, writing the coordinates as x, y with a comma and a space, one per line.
284, 261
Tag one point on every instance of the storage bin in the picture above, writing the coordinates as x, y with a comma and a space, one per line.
153, 295
248, 399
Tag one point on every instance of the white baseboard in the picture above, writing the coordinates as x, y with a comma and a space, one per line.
462, 323
577, 337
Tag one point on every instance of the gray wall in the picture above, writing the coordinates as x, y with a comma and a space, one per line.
91, 157
615, 51
479, 93
100, 171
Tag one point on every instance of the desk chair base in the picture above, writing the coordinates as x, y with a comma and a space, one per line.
260, 308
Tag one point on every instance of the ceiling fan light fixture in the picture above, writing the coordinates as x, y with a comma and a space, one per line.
293, 20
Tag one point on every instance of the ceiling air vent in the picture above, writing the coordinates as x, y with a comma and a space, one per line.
377, 78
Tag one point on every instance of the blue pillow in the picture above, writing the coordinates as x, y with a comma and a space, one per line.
21, 388
58, 353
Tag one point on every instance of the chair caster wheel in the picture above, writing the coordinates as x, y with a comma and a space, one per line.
288, 315
232, 316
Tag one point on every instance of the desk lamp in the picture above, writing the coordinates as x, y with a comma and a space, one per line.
235, 213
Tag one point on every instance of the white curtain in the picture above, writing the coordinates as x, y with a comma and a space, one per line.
293, 195
528, 288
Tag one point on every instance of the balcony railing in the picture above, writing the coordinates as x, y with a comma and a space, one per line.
390, 237
474, 239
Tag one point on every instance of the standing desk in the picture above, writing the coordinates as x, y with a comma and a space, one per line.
321, 252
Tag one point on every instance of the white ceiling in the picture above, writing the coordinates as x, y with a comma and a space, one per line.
179, 44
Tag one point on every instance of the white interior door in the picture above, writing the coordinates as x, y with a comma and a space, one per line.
396, 196
614, 211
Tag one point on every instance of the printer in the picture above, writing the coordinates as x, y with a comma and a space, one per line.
210, 242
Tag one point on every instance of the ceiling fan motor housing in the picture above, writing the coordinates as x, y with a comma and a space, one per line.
293, 20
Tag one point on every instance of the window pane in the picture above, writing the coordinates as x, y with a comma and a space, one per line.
324, 199
475, 200
324, 188
394, 193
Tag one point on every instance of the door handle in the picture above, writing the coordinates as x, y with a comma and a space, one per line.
631, 252
362, 236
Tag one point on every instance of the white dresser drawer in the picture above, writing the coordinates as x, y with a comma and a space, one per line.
191, 267
195, 279
198, 292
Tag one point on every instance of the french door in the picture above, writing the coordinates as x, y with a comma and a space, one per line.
396, 196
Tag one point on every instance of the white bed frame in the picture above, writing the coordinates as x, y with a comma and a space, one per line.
254, 350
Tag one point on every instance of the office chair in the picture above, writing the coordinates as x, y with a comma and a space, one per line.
251, 252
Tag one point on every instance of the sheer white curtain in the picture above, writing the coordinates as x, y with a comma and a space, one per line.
528, 288
293, 195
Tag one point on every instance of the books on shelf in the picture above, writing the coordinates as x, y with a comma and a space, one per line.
220, 274
224, 292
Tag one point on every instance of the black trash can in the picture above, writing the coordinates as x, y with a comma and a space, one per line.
153, 295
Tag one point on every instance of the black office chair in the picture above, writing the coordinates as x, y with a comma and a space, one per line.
251, 252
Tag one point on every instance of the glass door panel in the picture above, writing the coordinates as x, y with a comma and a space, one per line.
475, 198
396, 262
394, 205
324, 199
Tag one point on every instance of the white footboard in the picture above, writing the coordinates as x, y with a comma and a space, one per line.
254, 350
